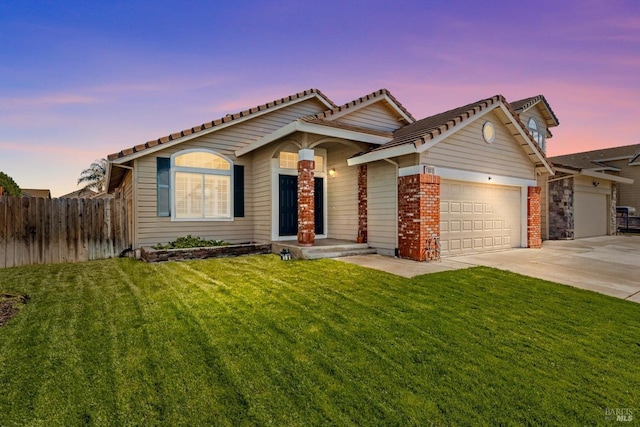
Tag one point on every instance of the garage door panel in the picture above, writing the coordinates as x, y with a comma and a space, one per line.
591, 214
479, 217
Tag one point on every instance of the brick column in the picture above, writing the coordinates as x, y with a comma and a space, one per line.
418, 214
362, 202
534, 223
306, 192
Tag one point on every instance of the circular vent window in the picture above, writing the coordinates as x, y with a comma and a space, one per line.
488, 132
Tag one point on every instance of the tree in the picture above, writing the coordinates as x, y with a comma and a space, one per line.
95, 175
8, 185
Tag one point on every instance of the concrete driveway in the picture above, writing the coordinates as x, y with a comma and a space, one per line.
609, 265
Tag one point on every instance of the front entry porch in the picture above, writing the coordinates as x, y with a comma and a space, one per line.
323, 248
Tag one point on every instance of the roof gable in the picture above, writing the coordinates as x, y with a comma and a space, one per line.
381, 103
539, 101
214, 125
425, 133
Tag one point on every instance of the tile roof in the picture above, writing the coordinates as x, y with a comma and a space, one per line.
428, 128
223, 120
524, 104
356, 102
596, 159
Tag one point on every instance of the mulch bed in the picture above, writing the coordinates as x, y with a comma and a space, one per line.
10, 304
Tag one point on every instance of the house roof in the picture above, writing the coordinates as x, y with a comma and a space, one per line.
428, 128
223, 121
83, 193
597, 159
33, 192
523, 105
422, 134
375, 96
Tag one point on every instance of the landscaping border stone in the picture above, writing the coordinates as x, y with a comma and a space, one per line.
159, 255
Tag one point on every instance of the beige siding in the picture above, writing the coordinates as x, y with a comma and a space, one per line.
262, 199
375, 116
151, 229
382, 199
467, 150
628, 194
342, 195
536, 114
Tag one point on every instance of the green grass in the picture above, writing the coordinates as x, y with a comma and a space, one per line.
257, 341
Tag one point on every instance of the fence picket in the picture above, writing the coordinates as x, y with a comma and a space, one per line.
41, 231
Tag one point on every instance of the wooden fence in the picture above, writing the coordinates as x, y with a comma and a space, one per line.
43, 231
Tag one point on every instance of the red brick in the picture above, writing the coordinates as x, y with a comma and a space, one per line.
306, 206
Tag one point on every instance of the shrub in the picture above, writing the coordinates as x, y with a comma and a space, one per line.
190, 242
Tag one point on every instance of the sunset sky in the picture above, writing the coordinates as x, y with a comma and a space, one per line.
80, 80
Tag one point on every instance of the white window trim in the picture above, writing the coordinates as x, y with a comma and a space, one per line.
221, 172
276, 171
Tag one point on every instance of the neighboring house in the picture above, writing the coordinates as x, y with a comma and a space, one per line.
301, 168
31, 192
581, 198
83, 193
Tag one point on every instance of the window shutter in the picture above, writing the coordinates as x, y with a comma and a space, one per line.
238, 191
163, 178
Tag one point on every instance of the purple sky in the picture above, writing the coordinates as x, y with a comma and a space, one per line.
80, 80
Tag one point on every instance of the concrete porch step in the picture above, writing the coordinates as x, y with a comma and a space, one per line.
323, 250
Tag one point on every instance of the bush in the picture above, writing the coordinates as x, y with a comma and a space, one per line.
9, 185
190, 242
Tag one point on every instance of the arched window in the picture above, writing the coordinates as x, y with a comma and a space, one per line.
202, 187
538, 134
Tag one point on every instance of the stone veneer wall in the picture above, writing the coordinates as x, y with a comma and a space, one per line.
561, 221
306, 206
418, 214
362, 202
534, 223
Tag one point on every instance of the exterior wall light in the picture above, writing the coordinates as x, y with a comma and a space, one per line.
332, 172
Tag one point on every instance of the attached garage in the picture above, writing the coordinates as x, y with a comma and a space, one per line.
479, 217
591, 218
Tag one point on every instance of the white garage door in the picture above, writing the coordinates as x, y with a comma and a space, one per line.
590, 214
478, 217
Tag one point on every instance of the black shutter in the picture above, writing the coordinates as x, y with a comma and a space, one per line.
238, 191
163, 177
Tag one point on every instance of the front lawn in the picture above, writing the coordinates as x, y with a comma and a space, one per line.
258, 341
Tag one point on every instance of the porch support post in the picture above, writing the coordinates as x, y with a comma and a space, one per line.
306, 190
362, 202
418, 214
534, 223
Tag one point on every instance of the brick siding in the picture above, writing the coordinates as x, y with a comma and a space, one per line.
362, 202
306, 207
418, 214
534, 231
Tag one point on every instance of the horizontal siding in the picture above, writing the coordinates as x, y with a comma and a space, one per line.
342, 195
467, 150
261, 178
151, 229
536, 114
382, 217
628, 194
375, 116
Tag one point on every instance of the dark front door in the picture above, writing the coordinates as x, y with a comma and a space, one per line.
318, 203
288, 205
288, 190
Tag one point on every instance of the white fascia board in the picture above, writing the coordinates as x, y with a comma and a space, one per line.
612, 159
299, 126
600, 175
280, 133
368, 102
373, 156
424, 147
217, 128
605, 168
483, 178
634, 164
527, 138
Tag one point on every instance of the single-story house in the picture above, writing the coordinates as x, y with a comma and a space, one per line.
36, 192
581, 198
302, 168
